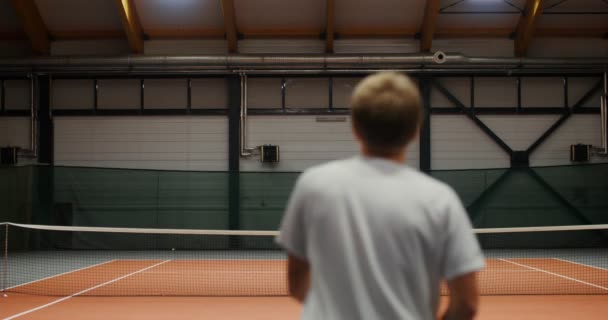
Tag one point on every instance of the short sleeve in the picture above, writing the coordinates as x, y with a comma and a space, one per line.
292, 235
462, 252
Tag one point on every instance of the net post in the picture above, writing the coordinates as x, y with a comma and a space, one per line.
5, 262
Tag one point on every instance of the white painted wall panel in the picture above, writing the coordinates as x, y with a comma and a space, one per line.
304, 142
166, 94
307, 93
555, 150
15, 132
494, 92
542, 92
90, 47
342, 90
459, 87
72, 94
519, 131
119, 94
209, 93
167, 143
456, 143
578, 87
264, 92
17, 94
568, 47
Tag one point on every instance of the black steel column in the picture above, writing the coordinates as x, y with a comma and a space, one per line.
425, 130
43, 210
234, 109
45, 122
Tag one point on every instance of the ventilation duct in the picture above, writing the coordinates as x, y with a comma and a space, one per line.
238, 63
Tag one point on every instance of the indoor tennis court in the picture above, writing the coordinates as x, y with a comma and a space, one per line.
148, 148
247, 267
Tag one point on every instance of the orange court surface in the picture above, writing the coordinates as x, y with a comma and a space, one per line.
530, 288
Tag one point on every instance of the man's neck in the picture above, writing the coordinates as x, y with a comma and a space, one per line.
398, 157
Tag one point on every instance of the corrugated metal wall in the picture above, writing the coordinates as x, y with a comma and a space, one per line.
167, 143
200, 142
15, 132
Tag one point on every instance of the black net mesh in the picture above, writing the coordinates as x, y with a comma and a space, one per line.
63, 261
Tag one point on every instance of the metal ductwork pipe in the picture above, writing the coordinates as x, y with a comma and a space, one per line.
230, 63
245, 151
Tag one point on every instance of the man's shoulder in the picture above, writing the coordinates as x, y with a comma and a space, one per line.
328, 170
432, 186
320, 176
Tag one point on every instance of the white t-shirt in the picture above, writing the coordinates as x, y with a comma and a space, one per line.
379, 237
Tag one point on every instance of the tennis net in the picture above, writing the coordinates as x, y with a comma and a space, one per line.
94, 261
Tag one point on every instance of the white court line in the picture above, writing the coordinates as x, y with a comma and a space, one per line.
57, 275
580, 264
83, 291
554, 274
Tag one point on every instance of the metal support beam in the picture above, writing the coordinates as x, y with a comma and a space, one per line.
33, 25
526, 26
142, 86
189, 96
45, 121
2, 95
556, 195
474, 208
466, 111
234, 111
131, 25
230, 25
429, 24
425, 130
577, 106
95, 95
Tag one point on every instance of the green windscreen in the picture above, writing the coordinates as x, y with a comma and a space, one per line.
547, 196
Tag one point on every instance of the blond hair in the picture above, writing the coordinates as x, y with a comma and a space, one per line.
386, 112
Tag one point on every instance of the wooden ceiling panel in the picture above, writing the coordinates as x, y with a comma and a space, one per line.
573, 21
190, 17
374, 14
70, 15
33, 25
576, 5
527, 26
280, 14
482, 5
131, 25
453, 21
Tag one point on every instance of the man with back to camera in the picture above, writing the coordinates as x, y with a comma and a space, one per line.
371, 238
